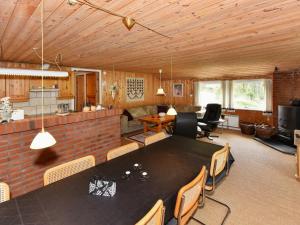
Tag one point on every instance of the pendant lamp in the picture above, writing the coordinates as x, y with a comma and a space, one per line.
43, 139
160, 90
171, 111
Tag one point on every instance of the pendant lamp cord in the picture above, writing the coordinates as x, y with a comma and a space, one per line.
171, 79
42, 29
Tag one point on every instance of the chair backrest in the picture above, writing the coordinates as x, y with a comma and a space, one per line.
186, 124
155, 216
68, 169
188, 198
219, 160
213, 112
155, 138
4, 192
122, 150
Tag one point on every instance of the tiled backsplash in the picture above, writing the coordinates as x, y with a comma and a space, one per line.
34, 105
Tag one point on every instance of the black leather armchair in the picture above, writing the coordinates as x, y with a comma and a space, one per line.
186, 124
210, 120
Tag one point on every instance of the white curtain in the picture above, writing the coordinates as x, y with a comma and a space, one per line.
269, 94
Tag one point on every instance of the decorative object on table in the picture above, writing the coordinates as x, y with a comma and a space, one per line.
144, 175
135, 88
17, 114
126, 20
126, 175
162, 114
86, 109
160, 90
137, 167
99, 107
5, 109
247, 128
101, 187
43, 139
93, 108
171, 111
264, 131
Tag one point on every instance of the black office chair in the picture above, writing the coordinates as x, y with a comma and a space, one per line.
186, 124
210, 120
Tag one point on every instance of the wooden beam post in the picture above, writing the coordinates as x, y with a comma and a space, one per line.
297, 143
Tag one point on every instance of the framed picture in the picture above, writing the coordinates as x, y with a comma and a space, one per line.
178, 90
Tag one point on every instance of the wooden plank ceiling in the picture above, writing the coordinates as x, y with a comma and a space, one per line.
211, 38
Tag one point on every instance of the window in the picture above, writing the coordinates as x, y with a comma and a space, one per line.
238, 94
249, 94
209, 92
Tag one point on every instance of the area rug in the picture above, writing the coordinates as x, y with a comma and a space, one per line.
277, 145
141, 137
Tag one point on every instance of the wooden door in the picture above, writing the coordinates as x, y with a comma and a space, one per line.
80, 95
91, 91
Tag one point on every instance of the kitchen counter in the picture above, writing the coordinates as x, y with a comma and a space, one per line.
35, 122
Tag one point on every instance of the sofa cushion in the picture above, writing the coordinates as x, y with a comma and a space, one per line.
151, 109
126, 113
137, 112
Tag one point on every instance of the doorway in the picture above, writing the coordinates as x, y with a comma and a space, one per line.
87, 89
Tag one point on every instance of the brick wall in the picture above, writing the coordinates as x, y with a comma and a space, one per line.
76, 135
285, 87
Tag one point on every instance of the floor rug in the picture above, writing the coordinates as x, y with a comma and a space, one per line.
277, 145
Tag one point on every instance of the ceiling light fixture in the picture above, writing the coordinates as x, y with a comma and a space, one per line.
160, 90
171, 111
43, 139
127, 21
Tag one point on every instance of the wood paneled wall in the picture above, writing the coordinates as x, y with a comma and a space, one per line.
119, 77
151, 86
188, 92
18, 87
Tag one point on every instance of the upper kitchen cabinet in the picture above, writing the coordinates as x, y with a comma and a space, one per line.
66, 86
17, 88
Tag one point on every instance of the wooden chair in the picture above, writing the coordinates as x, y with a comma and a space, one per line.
155, 138
219, 169
155, 216
4, 192
189, 199
122, 150
68, 169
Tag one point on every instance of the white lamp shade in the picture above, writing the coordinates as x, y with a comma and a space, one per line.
160, 91
171, 111
42, 140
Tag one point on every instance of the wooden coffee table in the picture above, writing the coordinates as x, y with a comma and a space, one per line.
159, 122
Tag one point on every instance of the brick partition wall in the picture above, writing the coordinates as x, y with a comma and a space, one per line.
77, 135
285, 87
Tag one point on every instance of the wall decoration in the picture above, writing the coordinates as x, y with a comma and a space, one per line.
135, 89
178, 90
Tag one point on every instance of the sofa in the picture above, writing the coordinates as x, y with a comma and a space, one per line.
130, 117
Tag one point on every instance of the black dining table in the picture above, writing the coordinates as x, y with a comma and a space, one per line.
170, 163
